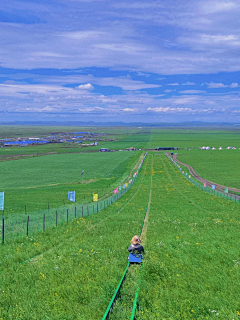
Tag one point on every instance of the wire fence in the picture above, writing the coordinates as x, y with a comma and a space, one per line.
20, 225
218, 193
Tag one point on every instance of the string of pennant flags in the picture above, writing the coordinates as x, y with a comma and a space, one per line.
72, 196
12, 226
204, 186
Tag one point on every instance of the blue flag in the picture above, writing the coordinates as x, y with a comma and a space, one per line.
71, 196
1, 200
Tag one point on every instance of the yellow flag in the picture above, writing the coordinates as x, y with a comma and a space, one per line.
126, 184
95, 197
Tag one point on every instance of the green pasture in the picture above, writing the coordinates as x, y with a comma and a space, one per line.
219, 166
190, 268
194, 138
192, 261
114, 139
191, 265
76, 267
10, 131
35, 182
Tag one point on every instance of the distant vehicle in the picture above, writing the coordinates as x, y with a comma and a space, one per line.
104, 150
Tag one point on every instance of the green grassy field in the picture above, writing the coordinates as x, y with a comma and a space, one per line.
191, 264
190, 268
220, 166
78, 265
35, 182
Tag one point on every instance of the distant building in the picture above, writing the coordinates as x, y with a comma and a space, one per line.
166, 148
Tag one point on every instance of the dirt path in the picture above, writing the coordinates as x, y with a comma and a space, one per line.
145, 225
197, 177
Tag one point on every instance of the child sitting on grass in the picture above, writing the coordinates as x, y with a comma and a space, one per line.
135, 246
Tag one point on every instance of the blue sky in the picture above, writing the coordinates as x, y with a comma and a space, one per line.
102, 60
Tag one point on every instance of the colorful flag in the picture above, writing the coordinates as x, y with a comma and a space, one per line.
95, 197
134, 175
213, 186
204, 184
129, 181
116, 190
124, 186
1, 200
120, 188
71, 196
183, 172
226, 190
189, 176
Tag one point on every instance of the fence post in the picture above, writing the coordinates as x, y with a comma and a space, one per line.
82, 211
56, 218
44, 222
75, 212
67, 215
27, 224
3, 229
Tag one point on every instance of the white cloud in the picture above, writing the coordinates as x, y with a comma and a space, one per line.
192, 91
234, 85
86, 86
170, 110
216, 85
90, 109
130, 109
210, 7
173, 84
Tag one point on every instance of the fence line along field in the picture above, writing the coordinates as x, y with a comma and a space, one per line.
35, 182
76, 278
190, 268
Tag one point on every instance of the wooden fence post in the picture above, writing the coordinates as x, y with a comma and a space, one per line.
3, 229
27, 224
